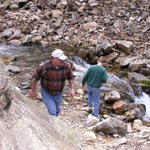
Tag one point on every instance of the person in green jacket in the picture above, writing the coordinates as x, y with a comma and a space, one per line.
94, 77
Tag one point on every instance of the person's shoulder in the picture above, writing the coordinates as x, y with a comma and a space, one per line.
92, 66
66, 65
103, 69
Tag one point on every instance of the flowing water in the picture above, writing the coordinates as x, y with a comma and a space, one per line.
144, 99
32, 56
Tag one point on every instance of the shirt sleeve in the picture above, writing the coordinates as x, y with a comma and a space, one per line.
105, 76
70, 75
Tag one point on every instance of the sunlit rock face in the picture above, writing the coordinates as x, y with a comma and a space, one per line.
27, 126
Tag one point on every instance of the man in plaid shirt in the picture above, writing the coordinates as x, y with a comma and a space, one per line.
53, 74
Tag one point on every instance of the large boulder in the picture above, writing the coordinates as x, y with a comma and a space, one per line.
111, 126
125, 46
25, 124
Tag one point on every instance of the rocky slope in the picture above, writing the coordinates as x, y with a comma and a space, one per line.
92, 28
90, 23
115, 29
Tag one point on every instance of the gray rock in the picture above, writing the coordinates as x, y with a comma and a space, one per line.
147, 54
44, 43
58, 21
61, 30
75, 15
112, 96
111, 126
140, 66
13, 69
27, 39
117, 24
122, 86
107, 21
125, 46
16, 34
93, 3
14, 6
22, 1
90, 26
148, 20
137, 77
61, 5
124, 61
3, 90
106, 47
53, 2
7, 33
136, 112
37, 38
57, 37
111, 57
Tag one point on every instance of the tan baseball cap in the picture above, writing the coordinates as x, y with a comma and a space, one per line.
59, 54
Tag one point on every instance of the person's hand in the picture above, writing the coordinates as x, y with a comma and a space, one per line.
83, 87
72, 93
32, 95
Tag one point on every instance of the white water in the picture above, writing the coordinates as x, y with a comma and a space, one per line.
144, 99
80, 70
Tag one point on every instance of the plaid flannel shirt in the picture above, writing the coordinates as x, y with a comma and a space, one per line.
53, 78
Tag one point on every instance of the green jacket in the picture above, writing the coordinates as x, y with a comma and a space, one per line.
95, 76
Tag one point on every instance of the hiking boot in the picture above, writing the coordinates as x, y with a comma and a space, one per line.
92, 120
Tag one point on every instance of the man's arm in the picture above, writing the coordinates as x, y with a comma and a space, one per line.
105, 76
72, 83
33, 93
35, 78
72, 86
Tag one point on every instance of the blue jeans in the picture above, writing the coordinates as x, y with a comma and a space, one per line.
52, 102
94, 100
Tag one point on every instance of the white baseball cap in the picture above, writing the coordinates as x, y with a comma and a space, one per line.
59, 54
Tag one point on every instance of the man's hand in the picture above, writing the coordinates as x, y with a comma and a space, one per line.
72, 93
32, 95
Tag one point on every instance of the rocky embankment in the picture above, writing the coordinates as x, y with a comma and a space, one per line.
83, 23
92, 28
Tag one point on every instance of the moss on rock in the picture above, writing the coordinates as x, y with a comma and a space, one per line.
145, 83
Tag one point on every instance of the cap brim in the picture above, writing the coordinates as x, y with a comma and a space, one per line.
63, 57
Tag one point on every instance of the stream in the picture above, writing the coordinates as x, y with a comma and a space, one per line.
28, 57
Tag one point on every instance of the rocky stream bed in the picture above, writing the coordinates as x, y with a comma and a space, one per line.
86, 30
